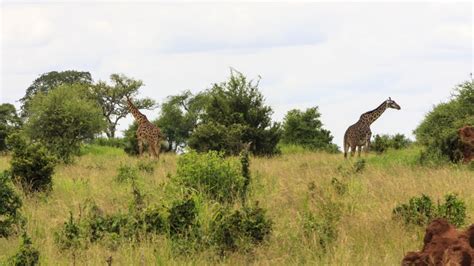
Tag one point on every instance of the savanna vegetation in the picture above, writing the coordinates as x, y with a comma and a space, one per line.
246, 191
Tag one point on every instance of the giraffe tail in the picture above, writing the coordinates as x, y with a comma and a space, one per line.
345, 146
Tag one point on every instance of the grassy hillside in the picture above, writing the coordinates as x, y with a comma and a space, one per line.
287, 186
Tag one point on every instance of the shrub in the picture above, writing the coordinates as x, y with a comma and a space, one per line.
381, 143
340, 187
235, 113
418, 211
211, 174
109, 142
359, 165
304, 128
63, 118
10, 204
27, 255
240, 230
126, 174
68, 237
421, 210
147, 167
9, 122
438, 130
182, 219
31, 165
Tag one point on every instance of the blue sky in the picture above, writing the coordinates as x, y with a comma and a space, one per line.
345, 58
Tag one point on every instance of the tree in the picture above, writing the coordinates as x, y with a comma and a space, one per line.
9, 121
111, 99
305, 128
381, 143
438, 130
179, 116
63, 119
50, 80
234, 115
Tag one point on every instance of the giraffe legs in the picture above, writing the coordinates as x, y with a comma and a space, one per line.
359, 149
140, 146
353, 150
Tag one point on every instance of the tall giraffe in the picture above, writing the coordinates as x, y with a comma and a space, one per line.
359, 134
146, 131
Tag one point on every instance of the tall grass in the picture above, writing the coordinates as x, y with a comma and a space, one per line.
283, 185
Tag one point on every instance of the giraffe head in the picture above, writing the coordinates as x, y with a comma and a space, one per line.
392, 104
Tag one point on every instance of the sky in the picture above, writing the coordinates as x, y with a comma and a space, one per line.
345, 58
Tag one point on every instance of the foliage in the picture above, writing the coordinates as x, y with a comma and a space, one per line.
182, 219
179, 116
9, 122
27, 255
10, 204
240, 230
31, 165
109, 142
382, 143
211, 174
421, 210
438, 130
305, 128
63, 119
340, 187
111, 99
51, 80
68, 237
359, 165
126, 174
147, 167
245, 163
235, 114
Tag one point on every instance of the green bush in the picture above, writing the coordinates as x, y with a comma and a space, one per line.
63, 119
10, 204
109, 142
359, 165
339, 186
148, 167
9, 122
27, 255
381, 143
235, 113
421, 210
32, 165
182, 219
211, 174
304, 128
126, 174
240, 230
68, 237
438, 131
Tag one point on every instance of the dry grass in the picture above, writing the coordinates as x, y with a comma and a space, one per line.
367, 234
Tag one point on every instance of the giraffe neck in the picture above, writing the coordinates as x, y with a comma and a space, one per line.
135, 112
373, 115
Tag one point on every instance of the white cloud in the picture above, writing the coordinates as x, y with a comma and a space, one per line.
345, 58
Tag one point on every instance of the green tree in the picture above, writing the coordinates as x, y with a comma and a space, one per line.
438, 130
50, 80
63, 119
9, 121
381, 143
111, 99
236, 114
305, 128
10, 204
179, 115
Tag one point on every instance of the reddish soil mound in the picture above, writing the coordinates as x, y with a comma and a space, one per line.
466, 134
444, 245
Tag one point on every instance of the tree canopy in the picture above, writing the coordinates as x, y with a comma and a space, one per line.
111, 99
50, 80
438, 130
305, 128
9, 121
236, 114
63, 118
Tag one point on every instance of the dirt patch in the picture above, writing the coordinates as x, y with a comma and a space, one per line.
444, 245
466, 134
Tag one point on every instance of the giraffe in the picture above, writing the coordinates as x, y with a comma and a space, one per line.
359, 134
146, 131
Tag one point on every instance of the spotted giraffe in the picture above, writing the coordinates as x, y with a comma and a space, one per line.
359, 134
146, 131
